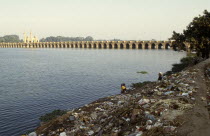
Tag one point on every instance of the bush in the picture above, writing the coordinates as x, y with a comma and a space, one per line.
140, 84
185, 62
49, 116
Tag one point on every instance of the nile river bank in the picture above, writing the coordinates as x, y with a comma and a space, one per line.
34, 82
178, 105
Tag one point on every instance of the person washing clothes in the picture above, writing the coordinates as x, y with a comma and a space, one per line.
160, 76
123, 88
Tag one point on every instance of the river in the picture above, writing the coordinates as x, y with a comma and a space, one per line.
37, 81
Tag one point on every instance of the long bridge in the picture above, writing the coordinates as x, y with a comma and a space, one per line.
94, 45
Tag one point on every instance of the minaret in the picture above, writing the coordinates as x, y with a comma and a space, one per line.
31, 37
24, 37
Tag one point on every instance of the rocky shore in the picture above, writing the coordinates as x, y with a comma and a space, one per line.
178, 105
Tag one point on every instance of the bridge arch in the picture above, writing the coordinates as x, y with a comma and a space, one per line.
56, 45
139, 46
146, 46
105, 46
67, 45
121, 46
115, 46
167, 46
133, 46
99, 46
94, 45
127, 46
89, 45
153, 46
160, 46
76, 45
110, 45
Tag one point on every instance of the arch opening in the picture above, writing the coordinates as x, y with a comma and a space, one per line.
80, 46
167, 46
146, 46
99, 46
127, 46
94, 46
140, 46
105, 46
153, 46
115, 46
76, 45
121, 46
110, 46
89, 46
133, 46
160, 46
85, 45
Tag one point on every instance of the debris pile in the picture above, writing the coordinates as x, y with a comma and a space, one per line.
153, 110
207, 75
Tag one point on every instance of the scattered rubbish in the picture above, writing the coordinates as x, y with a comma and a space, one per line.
71, 118
63, 134
203, 98
32, 134
90, 133
151, 108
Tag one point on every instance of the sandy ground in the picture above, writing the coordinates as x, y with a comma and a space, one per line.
196, 121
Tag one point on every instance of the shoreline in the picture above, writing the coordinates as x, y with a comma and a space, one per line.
157, 107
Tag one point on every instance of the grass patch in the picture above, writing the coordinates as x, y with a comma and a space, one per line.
184, 63
54, 114
142, 72
140, 84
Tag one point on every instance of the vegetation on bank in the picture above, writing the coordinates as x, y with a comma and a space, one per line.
140, 84
54, 114
65, 39
197, 33
184, 63
142, 72
10, 39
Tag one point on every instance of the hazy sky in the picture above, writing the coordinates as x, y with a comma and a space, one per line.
102, 19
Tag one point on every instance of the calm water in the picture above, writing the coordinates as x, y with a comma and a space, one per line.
36, 81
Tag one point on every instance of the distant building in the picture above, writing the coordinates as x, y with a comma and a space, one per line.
30, 39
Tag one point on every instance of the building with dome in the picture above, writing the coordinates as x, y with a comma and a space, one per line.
30, 39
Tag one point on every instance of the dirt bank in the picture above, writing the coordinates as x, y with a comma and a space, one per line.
178, 105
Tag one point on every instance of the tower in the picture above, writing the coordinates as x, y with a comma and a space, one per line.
24, 37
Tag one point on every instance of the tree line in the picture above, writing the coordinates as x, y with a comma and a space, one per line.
197, 33
65, 39
10, 38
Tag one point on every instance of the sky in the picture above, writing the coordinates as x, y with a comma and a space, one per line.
101, 19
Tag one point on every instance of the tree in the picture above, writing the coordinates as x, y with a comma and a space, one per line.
179, 39
89, 38
65, 39
197, 34
10, 38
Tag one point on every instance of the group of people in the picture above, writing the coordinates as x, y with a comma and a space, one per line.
124, 89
